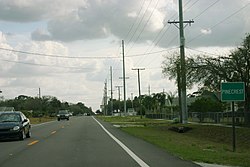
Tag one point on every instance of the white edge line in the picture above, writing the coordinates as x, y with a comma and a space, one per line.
124, 147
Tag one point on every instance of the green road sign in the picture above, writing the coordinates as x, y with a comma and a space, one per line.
232, 91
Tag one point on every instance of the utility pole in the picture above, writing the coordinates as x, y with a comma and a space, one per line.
182, 61
149, 91
124, 78
132, 99
119, 92
179, 88
105, 97
111, 85
119, 96
139, 86
39, 93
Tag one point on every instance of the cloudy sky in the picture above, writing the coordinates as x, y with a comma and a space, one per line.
66, 48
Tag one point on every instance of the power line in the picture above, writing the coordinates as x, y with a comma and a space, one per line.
190, 5
164, 33
202, 51
222, 21
149, 53
139, 23
206, 9
55, 56
144, 25
45, 65
135, 20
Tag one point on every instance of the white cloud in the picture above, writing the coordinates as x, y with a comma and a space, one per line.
206, 31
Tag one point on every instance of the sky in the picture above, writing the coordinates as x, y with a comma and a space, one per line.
67, 48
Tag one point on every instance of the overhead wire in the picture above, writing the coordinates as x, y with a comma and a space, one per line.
154, 43
144, 26
44, 65
220, 22
139, 23
204, 52
55, 56
214, 3
137, 16
190, 5
211, 5
127, 35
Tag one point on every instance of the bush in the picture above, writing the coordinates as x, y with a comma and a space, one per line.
206, 105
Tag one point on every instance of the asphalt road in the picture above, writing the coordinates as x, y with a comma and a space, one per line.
83, 142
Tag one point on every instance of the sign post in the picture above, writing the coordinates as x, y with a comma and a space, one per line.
231, 92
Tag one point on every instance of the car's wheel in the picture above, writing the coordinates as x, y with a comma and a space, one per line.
68, 119
22, 135
28, 135
58, 119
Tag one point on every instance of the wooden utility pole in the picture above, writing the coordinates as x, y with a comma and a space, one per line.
39, 93
119, 96
111, 88
105, 98
182, 62
124, 78
139, 86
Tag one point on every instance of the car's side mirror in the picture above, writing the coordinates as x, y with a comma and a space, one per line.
25, 120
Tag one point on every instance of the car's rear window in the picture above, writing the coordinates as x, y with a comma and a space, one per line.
63, 112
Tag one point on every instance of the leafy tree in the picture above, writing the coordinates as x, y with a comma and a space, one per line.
170, 98
206, 105
159, 100
148, 102
211, 71
203, 105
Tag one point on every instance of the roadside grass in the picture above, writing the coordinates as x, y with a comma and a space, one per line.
41, 120
203, 143
132, 120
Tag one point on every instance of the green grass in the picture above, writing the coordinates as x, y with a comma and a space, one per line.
209, 144
41, 120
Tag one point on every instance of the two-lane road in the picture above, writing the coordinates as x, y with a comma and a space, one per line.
83, 142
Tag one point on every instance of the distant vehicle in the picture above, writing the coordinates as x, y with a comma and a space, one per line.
63, 114
5, 109
14, 124
70, 114
86, 114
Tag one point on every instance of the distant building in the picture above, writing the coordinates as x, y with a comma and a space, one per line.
131, 112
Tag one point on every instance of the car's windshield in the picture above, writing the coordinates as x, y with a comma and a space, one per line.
63, 112
9, 117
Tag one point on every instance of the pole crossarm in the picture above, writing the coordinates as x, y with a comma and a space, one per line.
187, 22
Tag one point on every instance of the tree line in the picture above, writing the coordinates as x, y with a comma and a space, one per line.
44, 106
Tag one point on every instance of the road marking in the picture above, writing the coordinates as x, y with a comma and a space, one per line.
53, 132
124, 147
34, 142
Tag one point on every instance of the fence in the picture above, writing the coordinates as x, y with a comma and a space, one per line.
216, 117
203, 117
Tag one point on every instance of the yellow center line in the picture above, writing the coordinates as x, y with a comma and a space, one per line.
34, 142
53, 132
